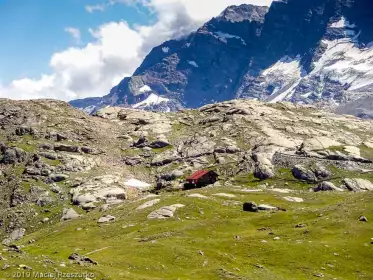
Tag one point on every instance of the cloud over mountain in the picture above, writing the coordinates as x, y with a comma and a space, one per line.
116, 50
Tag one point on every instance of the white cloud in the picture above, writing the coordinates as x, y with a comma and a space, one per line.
116, 50
93, 8
74, 32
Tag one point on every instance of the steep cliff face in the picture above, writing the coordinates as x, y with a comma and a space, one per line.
315, 51
200, 68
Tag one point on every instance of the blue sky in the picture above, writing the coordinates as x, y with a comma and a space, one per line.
70, 49
32, 30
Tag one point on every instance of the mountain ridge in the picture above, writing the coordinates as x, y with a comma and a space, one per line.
310, 52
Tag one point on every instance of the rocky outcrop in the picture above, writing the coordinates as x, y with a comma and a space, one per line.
358, 185
264, 168
12, 155
327, 186
69, 214
164, 212
312, 174
309, 58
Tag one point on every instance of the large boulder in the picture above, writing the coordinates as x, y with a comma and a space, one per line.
106, 219
165, 212
15, 235
69, 214
166, 157
250, 207
67, 148
264, 168
326, 186
358, 185
58, 177
24, 130
13, 156
302, 173
321, 172
148, 204
158, 144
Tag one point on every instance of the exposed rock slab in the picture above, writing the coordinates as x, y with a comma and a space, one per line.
165, 212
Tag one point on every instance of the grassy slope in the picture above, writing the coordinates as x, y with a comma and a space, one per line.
169, 249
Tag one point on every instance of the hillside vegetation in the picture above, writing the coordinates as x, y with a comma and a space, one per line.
102, 196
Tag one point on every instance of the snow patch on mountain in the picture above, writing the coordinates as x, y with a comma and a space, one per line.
342, 23
344, 62
225, 36
286, 66
152, 99
145, 89
193, 63
165, 49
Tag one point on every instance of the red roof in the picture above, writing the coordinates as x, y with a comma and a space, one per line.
198, 174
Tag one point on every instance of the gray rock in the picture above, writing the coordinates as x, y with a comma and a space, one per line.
250, 207
132, 161
158, 144
165, 158
45, 172
232, 149
46, 146
89, 206
197, 195
358, 185
321, 172
363, 219
141, 143
165, 212
67, 148
13, 156
148, 204
81, 260
326, 186
58, 177
15, 235
177, 173
24, 130
264, 168
51, 156
89, 150
60, 137
55, 188
31, 170
265, 207
106, 219
302, 173
44, 201
69, 214
83, 199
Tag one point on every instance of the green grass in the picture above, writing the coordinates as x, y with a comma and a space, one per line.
30, 148
284, 177
170, 249
366, 152
161, 150
51, 162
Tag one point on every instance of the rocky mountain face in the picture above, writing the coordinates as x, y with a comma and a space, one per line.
314, 51
77, 189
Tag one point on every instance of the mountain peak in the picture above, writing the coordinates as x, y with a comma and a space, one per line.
244, 12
